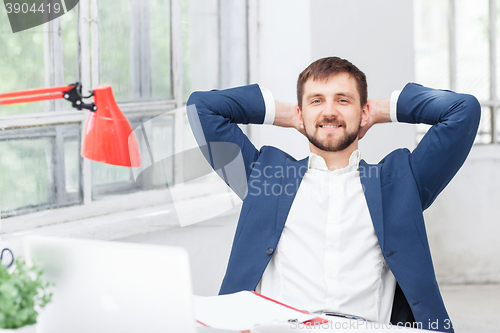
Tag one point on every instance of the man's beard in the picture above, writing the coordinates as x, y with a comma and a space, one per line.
340, 145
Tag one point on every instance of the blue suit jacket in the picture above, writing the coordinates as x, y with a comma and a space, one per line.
397, 190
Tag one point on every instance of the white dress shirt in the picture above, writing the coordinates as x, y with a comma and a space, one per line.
328, 257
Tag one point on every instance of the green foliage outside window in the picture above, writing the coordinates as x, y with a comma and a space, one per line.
24, 177
21, 64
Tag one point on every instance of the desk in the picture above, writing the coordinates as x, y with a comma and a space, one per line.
244, 310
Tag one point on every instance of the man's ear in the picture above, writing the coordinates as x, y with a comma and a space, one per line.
365, 115
301, 120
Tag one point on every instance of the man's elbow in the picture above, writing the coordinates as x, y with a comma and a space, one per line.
199, 102
473, 108
194, 98
469, 109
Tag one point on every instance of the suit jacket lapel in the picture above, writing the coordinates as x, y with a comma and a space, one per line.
370, 179
294, 172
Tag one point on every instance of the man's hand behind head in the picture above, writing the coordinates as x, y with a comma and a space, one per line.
379, 112
287, 115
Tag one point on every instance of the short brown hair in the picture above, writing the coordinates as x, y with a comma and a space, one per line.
323, 69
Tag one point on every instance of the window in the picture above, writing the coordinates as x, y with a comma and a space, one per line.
136, 47
456, 48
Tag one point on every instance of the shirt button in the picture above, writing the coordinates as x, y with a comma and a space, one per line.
269, 250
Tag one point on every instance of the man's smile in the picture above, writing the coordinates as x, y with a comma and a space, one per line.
330, 127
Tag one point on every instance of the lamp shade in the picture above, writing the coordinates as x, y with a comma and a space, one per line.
108, 134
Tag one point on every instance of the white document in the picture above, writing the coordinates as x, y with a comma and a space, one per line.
242, 311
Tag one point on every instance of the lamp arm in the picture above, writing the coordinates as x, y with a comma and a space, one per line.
72, 93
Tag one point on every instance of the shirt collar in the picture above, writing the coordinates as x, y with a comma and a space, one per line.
317, 162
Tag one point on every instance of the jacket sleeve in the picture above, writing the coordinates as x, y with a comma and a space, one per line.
214, 117
442, 151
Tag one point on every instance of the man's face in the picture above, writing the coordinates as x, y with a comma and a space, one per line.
331, 112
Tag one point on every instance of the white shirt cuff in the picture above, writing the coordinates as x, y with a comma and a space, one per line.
394, 103
270, 107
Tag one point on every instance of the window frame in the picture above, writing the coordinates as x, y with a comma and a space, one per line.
493, 103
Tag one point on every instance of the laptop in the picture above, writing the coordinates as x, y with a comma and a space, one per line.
104, 287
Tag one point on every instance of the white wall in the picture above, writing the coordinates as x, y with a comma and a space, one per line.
463, 223
283, 51
377, 36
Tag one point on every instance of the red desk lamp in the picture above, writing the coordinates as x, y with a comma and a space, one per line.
108, 135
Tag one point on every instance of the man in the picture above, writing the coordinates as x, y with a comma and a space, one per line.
331, 233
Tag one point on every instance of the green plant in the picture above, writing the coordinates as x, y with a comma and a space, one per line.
22, 293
